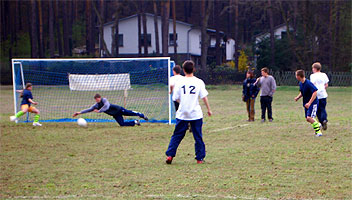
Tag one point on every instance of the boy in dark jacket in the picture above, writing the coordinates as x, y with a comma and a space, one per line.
249, 93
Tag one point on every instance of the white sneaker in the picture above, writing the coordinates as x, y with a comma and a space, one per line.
36, 124
13, 118
318, 134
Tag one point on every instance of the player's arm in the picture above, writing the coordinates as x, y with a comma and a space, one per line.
19, 91
105, 107
298, 97
93, 107
314, 95
33, 102
326, 85
206, 102
171, 88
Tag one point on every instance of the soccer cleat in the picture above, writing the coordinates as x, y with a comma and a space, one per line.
325, 125
318, 134
200, 161
271, 120
36, 124
145, 118
263, 120
137, 122
169, 160
13, 118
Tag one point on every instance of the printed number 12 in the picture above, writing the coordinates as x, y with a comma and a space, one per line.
192, 89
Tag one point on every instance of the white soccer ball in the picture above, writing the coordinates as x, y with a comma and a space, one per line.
82, 122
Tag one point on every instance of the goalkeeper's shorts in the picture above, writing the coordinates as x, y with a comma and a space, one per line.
25, 106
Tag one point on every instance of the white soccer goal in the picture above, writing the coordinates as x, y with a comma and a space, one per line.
64, 86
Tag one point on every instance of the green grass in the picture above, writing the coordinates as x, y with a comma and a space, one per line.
279, 160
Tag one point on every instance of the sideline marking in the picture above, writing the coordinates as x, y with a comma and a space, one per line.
228, 128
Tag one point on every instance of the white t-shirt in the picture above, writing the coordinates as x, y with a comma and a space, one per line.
319, 79
188, 90
174, 79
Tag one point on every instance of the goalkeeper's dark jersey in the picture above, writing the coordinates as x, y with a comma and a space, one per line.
104, 106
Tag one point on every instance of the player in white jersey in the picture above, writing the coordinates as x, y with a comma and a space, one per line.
320, 80
187, 91
173, 80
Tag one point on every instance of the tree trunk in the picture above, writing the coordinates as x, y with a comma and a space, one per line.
272, 36
206, 7
70, 24
174, 28
218, 51
41, 40
34, 33
101, 32
145, 33
58, 30
115, 32
165, 27
88, 26
101, 24
51, 30
236, 34
65, 29
156, 28
139, 35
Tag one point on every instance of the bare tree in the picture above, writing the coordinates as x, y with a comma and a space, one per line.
156, 28
41, 39
145, 33
34, 34
51, 30
174, 28
101, 31
206, 7
272, 36
58, 30
115, 31
165, 13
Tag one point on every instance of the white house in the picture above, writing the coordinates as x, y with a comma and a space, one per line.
280, 31
188, 37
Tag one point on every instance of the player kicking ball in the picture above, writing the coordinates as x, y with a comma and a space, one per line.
310, 103
186, 92
103, 106
26, 105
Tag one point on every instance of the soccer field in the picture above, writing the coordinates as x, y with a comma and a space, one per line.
245, 160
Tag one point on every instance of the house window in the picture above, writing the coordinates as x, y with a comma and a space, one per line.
120, 42
172, 41
283, 34
149, 39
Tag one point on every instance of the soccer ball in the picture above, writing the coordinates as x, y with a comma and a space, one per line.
82, 122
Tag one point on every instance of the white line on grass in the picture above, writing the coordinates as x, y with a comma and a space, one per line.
228, 128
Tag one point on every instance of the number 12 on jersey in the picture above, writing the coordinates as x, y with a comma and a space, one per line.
191, 89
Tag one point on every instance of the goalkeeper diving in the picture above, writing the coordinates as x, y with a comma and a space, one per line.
116, 111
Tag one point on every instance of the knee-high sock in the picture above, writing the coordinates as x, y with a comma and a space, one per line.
36, 118
19, 114
316, 126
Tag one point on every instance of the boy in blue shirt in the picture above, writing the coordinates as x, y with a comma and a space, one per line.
310, 103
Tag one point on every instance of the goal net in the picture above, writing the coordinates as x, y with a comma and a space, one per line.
64, 86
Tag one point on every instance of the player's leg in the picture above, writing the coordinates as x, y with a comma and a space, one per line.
263, 107
24, 109
323, 115
248, 109
126, 112
119, 119
252, 111
36, 116
179, 133
270, 112
310, 115
198, 138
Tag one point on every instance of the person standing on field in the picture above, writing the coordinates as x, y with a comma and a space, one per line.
267, 85
187, 91
249, 93
320, 80
173, 80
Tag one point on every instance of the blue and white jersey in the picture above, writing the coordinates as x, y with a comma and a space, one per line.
307, 89
188, 90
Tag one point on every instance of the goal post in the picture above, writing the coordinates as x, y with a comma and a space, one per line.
64, 86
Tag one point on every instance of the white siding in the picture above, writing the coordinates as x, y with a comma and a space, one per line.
230, 49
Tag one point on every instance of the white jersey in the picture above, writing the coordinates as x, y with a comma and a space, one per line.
188, 90
319, 79
175, 79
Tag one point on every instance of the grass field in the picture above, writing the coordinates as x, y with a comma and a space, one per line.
278, 160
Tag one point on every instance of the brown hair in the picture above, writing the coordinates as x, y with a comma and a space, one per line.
317, 66
26, 87
251, 73
188, 66
300, 73
97, 96
177, 69
266, 70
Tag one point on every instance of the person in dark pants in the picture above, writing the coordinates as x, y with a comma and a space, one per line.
188, 91
321, 81
249, 93
267, 85
117, 112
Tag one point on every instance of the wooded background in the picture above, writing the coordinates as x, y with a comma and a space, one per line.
52, 29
